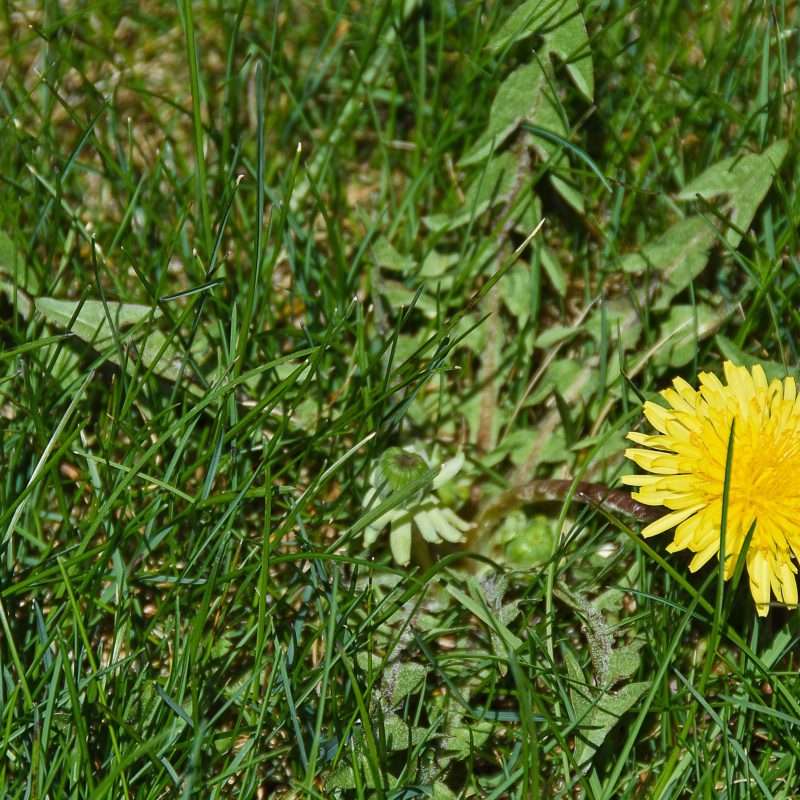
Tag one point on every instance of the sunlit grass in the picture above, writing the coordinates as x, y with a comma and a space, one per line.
187, 606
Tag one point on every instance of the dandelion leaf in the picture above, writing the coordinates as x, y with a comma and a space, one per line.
387, 257
17, 283
732, 352
91, 324
518, 98
624, 662
681, 332
402, 679
597, 712
743, 180
675, 258
486, 616
562, 26
490, 187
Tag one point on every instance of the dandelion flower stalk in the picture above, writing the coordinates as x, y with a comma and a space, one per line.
685, 471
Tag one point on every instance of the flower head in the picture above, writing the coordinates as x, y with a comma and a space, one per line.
397, 468
687, 459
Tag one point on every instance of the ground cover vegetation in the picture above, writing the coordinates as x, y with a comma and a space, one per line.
322, 326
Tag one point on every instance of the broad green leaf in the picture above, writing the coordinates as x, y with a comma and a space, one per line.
571, 194
461, 738
618, 321
553, 269
609, 445
387, 257
344, 777
525, 20
403, 679
569, 41
624, 662
440, 791
16, 282
493, 622
399, 736
561, 24
516, 290
596, 712
684, 327
528, 542
732, 352
436, 265
744, 180
675, 258
517, 99
91, 325
556, 449
556, 334
398, 295
561, 372
605, 716
490, 187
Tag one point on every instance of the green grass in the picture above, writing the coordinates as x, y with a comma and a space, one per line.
328, 257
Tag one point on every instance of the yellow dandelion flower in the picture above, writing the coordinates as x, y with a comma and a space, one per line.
686, 460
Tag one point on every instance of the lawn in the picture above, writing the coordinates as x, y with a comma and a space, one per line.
322, 327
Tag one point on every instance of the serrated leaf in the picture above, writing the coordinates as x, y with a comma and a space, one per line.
492, 622
553, 270
684, 327
604, 716
744, 180
562, 26
517, 99
400, 736
16, 282
596, 712
676, 257
490, 187
462, 739
624, 662
617, 315
91, 325
773, 369
387, 257
402, 679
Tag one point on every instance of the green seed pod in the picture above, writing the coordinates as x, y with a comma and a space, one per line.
400, 467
